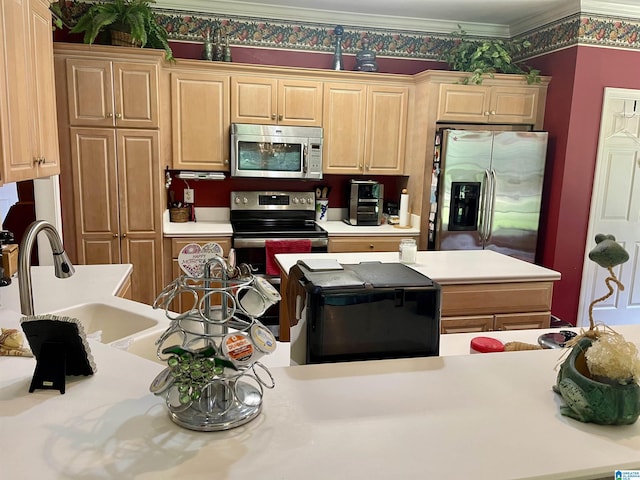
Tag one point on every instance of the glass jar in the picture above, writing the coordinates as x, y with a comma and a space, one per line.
408, 250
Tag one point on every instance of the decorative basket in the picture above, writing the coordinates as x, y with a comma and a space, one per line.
123, 39
179, 215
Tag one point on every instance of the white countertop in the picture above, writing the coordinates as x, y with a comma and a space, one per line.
446, 267
214, 222
342, 229
89, 283
485, 416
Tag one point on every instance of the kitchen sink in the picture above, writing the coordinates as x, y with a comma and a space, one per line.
108, 323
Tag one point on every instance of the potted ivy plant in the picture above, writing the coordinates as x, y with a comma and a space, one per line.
487, 57
130, 22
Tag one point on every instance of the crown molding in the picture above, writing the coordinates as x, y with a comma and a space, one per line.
611, 8
330, 17
529, 24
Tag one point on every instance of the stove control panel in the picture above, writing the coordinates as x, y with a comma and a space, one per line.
268, 200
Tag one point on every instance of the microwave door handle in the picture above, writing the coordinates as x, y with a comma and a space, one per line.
305, 159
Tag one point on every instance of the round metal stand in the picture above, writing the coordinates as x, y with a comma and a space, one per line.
207, 391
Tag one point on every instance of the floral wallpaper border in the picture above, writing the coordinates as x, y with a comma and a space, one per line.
578, 29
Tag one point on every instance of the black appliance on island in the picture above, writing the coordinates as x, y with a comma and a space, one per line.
365, 311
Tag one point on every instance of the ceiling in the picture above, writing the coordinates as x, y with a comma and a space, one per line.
481, 17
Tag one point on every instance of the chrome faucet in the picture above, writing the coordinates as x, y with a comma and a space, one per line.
62, 265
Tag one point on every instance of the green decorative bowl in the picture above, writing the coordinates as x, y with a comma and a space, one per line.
592, 401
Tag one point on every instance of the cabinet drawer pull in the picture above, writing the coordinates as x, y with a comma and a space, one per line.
371, 245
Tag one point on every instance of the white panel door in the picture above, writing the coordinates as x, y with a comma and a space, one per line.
615, 209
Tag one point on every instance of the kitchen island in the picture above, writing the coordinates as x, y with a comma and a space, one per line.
481, 290
489, 416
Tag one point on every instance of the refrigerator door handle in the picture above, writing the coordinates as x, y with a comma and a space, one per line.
494, 180
485, 189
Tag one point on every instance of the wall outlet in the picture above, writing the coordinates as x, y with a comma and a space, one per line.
188, 195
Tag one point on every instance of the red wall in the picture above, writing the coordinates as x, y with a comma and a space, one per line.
573, 111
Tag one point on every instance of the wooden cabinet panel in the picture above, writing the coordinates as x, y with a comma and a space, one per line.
364, 128
460, 300
188, 300
470, 324
364, 244
272, 101
44, 117
300, 103
178, 244
200, 116
117, 183
344, 110
28, 122
520, 321
103, 93
488, 104
386, 130
514, 105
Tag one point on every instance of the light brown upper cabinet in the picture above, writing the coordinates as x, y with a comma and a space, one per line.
364, 128
104, 93
488, 104
200, 121
272, 101
28, 123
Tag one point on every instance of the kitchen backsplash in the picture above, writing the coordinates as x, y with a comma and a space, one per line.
216, 193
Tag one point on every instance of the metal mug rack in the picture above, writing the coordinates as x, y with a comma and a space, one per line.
207, 386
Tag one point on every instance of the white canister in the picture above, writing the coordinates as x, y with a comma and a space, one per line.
408, 251
322, 209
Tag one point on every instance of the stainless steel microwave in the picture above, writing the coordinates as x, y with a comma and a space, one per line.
276, 151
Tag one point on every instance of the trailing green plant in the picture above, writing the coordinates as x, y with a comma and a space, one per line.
132, 16
487, 57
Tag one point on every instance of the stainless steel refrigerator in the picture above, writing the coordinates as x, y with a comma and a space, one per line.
487, 190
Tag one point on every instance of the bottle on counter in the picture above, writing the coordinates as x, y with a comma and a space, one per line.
408, 251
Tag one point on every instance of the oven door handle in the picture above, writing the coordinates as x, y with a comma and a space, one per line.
260, 242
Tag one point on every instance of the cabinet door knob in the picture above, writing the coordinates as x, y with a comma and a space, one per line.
280, 117
493, 112
226, 162
118, 115
124, 235
486, 113
371, 245
273, 116
36, 160
109, 115
42, 161
114, 235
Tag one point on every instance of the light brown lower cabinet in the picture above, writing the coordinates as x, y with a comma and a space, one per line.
186, 301
497, 306
365, 244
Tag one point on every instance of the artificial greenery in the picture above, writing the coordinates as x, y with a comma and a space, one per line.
133, 16
487, 57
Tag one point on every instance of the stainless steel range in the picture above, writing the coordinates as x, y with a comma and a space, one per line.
258, 216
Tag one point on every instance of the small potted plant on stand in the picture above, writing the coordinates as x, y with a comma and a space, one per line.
131, 23
599, 379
